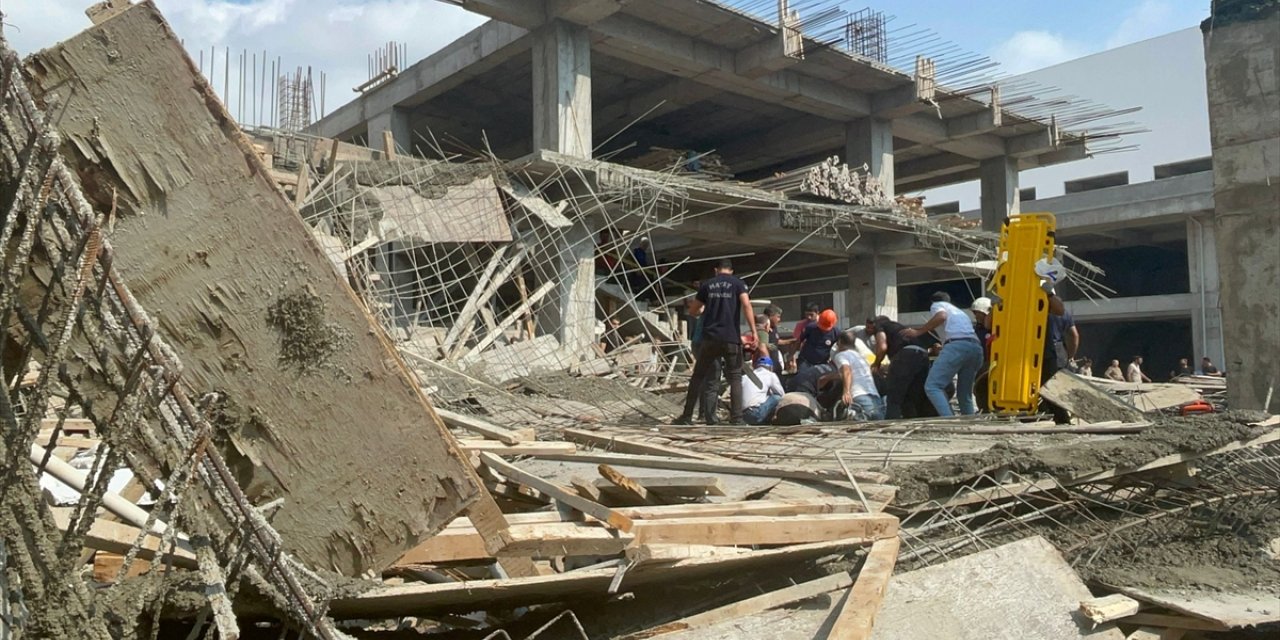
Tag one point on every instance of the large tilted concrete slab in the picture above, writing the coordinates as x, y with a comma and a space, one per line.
320, 411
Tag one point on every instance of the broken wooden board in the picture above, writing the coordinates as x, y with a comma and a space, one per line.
1020, 590
319, 409
1110, 607
461, 597
1086, 401
748, 607
862, 602
1229, 609
733, 487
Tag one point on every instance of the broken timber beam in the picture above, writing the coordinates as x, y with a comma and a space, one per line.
862, 603
560, 494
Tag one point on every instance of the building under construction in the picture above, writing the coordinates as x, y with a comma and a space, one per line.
406, 371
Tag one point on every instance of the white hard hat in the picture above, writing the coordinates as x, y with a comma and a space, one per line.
982, 305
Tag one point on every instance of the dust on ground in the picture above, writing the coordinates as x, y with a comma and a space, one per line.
1224, 552
306, 340
942, 477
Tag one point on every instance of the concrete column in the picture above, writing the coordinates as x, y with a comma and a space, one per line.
1240, 66
873, 288
869, 141
1206, 314
999, 177
397, 122
568, 311
562, 89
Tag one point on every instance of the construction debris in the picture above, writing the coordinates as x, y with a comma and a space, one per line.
291, 386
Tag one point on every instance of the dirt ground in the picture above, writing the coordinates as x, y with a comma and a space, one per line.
941, 478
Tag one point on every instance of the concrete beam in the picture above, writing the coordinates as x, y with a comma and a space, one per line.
984, 121
869, 141
584, 12
764, 57
562, 89
1000, 197
484, 48
526, 13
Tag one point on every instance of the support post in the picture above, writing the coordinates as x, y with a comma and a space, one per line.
873, 288
395, 121
1206, 314
562, 89
869, 141
999, 178
569, 309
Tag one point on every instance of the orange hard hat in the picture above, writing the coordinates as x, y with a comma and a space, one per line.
827, 320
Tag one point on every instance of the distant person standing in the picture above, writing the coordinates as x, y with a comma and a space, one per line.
961, 355
1114, 372
792, 345
1207, 368
1183, 369
1135, 373
709, 398
774, 315
981, 309
724, 302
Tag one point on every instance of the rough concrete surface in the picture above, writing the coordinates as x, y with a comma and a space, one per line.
1242, 66
941, 478
1017, 591
231, 276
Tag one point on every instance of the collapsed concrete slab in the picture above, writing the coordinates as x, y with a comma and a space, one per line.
314, 405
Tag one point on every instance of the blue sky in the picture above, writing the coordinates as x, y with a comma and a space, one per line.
335, 35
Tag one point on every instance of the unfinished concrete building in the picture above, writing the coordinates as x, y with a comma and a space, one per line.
672, 85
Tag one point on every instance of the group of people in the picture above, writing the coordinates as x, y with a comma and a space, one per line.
882, 370
1134, 373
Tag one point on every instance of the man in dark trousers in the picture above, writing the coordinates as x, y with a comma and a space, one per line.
904, 385
723, 302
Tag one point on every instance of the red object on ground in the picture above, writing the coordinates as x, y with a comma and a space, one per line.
1196, 408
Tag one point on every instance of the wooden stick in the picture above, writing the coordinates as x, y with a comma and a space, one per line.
862, 603
742, 608
593, 509
621, 444
476, 425
630, 487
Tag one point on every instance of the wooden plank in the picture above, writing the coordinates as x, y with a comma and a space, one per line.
106, 566
75, 442
560, 494
1174, 621
707, 466
622, 444
388, 145
116, 537
492, 528
748, 530
793, 507
480, 426
1109, 607
680, 485
749, 606
541, 541
421, 599
627, 486
237, 256
1239, 608
674, 552
540, 447
525, 308
862, 603
1086, 401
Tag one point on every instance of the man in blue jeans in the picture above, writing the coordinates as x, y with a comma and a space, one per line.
961, 356
760, 401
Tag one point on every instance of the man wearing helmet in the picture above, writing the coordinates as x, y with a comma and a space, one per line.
817, 340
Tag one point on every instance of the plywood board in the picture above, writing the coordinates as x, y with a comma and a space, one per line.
320, 410
1017, 591
1242, 609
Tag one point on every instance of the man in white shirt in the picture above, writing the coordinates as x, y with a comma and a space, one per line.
961, 356
861, 400
760, 401
1135, 371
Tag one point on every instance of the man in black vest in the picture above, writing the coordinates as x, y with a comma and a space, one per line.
723, 301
